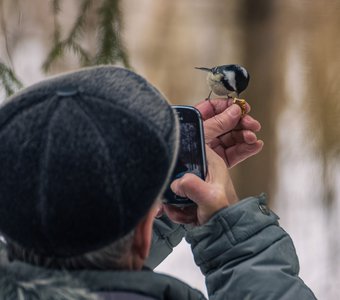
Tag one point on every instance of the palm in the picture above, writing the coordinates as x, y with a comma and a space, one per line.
231, 137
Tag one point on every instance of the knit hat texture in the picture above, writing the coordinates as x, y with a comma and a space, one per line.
83, 156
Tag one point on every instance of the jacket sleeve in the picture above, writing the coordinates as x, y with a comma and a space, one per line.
245, 254
166, 236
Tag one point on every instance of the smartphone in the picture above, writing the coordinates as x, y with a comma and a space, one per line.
191, 157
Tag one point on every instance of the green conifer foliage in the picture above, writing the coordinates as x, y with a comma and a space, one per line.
108, 41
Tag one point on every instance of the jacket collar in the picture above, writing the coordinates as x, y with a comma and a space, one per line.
40, 283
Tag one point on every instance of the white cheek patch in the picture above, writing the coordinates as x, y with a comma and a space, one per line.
230, 77
244, 71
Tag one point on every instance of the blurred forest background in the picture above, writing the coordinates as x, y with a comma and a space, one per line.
291, 49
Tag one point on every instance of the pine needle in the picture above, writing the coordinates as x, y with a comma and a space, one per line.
71, 42
110, 49
8, 80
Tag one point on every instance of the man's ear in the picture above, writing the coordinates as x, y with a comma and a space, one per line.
142, 238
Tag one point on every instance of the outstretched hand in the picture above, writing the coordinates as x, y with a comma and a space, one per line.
231, 135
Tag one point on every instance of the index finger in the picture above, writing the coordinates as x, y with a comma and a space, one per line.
208, 109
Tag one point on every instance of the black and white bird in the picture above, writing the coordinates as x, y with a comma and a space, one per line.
226, 80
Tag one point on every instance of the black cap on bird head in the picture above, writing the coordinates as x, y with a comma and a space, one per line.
234, 77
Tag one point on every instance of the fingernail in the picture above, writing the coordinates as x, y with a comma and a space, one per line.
174, 186
252, 138
234, 110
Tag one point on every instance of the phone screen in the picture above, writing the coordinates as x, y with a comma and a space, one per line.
191, 157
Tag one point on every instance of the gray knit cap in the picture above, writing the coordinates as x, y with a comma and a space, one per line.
83, 156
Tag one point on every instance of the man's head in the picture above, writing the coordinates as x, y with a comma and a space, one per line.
83, 158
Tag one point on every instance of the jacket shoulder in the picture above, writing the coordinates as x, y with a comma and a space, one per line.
34, 283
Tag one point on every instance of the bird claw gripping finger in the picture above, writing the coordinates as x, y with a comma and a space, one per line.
242, 104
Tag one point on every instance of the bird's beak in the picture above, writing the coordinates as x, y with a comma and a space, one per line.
203, 69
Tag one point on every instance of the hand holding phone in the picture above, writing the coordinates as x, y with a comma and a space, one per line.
210, 195
217, 191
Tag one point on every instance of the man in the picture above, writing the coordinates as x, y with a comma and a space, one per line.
85, 158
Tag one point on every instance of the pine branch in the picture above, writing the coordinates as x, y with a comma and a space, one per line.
56, 8
81, 53
4, 31
56, 52
110, 48
78, 26
71, 42
8, 80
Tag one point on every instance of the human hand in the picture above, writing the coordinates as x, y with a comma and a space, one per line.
231, 135
232, 138
211, 195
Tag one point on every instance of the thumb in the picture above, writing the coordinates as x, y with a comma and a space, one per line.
222, 123
192, 187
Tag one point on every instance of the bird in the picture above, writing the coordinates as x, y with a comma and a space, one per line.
226, 80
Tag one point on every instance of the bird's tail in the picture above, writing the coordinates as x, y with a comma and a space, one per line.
203, 69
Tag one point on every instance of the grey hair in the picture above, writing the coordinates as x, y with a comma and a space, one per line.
113, 256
